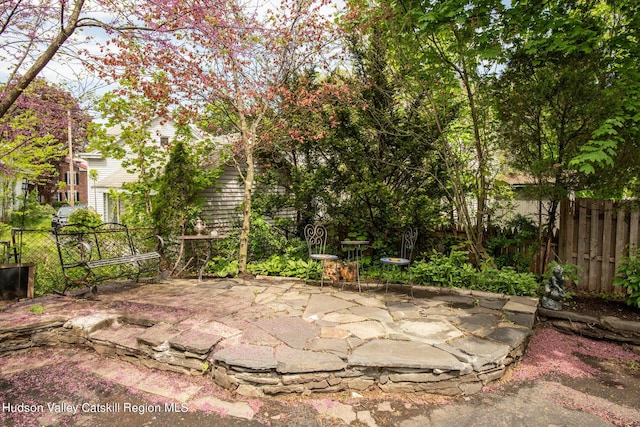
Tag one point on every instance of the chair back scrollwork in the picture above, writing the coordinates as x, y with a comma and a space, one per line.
316, 237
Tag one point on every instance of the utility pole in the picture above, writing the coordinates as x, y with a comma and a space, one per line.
72, 178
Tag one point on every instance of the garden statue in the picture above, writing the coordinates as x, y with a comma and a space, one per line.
554, 290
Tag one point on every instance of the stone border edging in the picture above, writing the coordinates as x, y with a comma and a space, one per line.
604, 327
391, 362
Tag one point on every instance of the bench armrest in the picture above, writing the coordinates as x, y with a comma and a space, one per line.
149, 243
75, 252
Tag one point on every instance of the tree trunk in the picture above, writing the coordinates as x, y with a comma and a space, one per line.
481, 173
473, 229
246, 209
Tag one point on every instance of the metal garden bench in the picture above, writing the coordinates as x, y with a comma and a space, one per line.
89, 255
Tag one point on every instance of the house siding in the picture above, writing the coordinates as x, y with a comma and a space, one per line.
106, 168
111, 175
221, 210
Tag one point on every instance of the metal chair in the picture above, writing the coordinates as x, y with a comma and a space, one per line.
316, 237
409, 238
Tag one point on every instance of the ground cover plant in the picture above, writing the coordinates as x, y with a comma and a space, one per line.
274, 255
277, 252
628, 278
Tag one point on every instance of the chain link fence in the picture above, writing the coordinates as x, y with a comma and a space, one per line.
39, 247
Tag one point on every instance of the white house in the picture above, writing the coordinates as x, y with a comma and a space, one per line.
107, 176
221, 208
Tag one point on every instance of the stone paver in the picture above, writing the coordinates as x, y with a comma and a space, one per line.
85, 325
194, 341
520, 307
429, 331
366, 330
372, 313
266, 336
336, 410
404, 354
256, 357
293, 331
511, 336
232, 409
320, 305
157, 334
481, 352
292, 361
329, 345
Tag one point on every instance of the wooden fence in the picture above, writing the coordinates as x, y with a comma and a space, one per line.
596, 235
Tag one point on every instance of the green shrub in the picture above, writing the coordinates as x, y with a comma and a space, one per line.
456, 271
222, 267
285, 266
628, 278
570, 272
505, 280
515, 244
39, 247
33, 215
447, 271
5, 231
265, 240
85, 217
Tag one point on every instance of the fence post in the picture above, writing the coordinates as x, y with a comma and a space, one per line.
607, 240
595, 253
634, 222
566, 244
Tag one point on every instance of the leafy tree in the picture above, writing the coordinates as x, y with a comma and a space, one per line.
553, 96
25, 28
139, 151
32, 33
35, 136
611, 157
448, 50
227, 58
594, 39
178, 199
31, 213
359, 159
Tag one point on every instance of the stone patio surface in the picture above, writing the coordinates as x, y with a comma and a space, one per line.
266, 336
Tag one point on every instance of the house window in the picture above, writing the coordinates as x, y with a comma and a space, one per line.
76, 196
76, 179
164, 141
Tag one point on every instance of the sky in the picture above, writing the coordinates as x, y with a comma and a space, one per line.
67, 70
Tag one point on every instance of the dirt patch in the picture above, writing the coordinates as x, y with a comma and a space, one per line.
596, 306
614, 380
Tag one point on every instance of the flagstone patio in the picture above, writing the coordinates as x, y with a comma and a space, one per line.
267, 336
